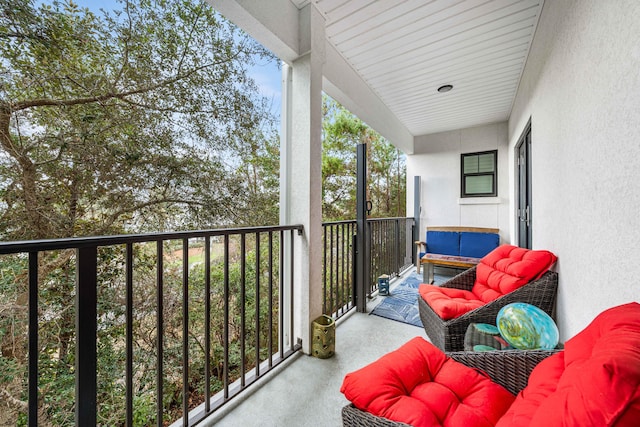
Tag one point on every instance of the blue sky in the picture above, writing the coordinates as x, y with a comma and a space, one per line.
266, 75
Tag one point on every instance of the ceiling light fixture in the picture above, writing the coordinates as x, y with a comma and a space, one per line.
445, 88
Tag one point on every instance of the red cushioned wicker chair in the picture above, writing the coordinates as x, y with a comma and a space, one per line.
448, 334
594, 381
509, 368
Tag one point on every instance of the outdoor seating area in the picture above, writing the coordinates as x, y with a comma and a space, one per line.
457, 247
453, 184
594, 381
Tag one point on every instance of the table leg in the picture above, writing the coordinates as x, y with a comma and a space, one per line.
427, 273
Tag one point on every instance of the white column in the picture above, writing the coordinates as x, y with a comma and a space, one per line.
286, 341
301, 170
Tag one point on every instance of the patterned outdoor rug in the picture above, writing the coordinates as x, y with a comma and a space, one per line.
402, 303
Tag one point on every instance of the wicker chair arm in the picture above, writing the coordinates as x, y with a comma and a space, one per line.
464, 280
354, 417
509, 368
541, 293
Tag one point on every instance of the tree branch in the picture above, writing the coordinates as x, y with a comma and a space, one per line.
114, 216
170, 109
125, 58
43, 102
12, 401
189, 38
21, 36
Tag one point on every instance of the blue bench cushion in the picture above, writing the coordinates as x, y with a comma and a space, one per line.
443, 242
477, 245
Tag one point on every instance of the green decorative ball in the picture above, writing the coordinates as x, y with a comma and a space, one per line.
526, 327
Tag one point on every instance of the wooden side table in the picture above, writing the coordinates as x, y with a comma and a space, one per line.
431, 260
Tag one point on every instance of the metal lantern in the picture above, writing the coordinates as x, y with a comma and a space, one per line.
383, 285
323, 343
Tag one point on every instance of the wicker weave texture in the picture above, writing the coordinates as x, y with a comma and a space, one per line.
509, 368
448, 335
354, 417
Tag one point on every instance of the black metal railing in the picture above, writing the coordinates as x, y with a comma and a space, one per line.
391, 247
212, 309
390, 252
338, 267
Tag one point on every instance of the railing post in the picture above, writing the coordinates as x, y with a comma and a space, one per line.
354, 267
33, 339
416, 218
185, 332
129, 336
159, 332
362, 260
414, 252
397, 247
86, 335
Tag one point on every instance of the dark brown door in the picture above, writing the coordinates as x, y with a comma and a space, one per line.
524, 212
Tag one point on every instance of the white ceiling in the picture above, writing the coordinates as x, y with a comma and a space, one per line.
404, 50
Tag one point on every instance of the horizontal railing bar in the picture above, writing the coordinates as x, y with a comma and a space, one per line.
220, 399
353, 221
236, 388
81, 242
387, 219
348, 221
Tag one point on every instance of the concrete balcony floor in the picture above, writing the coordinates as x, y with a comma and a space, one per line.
306, 390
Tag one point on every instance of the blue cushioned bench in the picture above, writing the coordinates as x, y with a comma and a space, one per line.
458, 247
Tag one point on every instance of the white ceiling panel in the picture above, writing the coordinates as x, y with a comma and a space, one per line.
405, 50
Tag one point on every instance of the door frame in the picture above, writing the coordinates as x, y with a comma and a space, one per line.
523, 206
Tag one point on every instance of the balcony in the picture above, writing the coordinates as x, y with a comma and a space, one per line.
583, 124
307, 391
224, 301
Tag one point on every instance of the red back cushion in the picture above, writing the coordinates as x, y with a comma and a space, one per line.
597, 382
542, 382
507, 268
419, 385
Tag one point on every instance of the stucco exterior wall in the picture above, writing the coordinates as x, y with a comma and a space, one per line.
581, 89
437, 162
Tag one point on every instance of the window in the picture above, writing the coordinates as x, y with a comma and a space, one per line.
479, 174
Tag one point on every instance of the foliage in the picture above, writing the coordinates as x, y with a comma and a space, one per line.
138, 119
125, 121
386, 176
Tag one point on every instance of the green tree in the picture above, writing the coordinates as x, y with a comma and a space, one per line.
386, 179
341, 133
138, 119
386, 172
122, 121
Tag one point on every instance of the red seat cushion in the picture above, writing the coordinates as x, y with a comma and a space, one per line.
503, 270
419, 385
449, 303
594, 382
